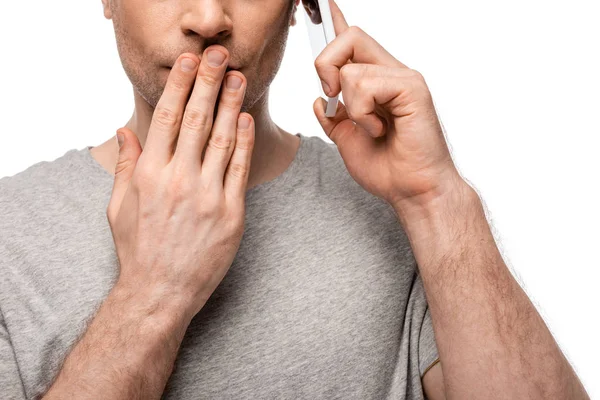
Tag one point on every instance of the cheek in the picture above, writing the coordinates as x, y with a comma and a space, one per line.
267, 32
263, 20
140, 23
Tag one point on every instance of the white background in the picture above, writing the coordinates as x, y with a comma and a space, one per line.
516, 85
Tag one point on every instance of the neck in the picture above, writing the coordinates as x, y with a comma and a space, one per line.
274, 148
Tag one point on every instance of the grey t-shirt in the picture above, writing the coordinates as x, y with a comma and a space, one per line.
322, 301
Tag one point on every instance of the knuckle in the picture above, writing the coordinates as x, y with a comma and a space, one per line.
220, 142
165, 117
347, 71
143, 182
208, 80
144, 172
205, 185
209, 205
179, 84
122, 165
355, 30
420, 85
233, 214
230, 103
417, 75
178, 184
360, 82
234, 223
238, 170
180, 187
205, 211
360, 85
245, 140
195, 118
319, 63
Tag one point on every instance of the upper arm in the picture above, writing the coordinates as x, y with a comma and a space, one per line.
433, 383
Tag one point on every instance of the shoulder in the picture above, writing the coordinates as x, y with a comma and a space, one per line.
37, 181
30, 198
40, 174
337, 190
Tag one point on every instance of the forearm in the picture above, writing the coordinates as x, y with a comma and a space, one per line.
128, 350
492, 341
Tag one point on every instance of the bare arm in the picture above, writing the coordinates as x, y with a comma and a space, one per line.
433, 383
177, 221
127, 352
491, 340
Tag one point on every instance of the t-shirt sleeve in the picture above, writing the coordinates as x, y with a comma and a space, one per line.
10, 379
422, 335
428, 353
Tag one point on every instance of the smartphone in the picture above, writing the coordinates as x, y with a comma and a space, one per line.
321, 32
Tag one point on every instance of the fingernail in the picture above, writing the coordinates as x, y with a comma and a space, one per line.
243, 123
215, 58
326, 87
234, 82
187, 64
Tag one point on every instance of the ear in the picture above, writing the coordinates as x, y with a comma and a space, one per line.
106, 8
296, 2
313, 11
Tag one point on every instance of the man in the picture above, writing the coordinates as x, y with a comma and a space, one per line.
367, 268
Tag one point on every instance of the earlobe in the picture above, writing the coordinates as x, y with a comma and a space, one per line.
295, 8
106, 8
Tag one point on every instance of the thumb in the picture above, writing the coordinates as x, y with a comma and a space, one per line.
129, 153
334, 126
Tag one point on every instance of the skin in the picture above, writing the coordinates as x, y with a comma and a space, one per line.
388, 125
177, 208
105, 363
255, 39
492, 342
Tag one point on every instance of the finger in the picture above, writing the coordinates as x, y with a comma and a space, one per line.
339, 21
198, 116
167, 115
221, 142
238, 170
359, 86
129, 153
336, 125
341, 129
370, 88
354, 45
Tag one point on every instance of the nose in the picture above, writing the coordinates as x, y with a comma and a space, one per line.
206, 18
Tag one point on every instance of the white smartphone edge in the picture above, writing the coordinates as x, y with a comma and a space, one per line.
329, 32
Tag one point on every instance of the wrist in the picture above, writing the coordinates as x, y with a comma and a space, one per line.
451, 190
135, 330
169, 313
432, 222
